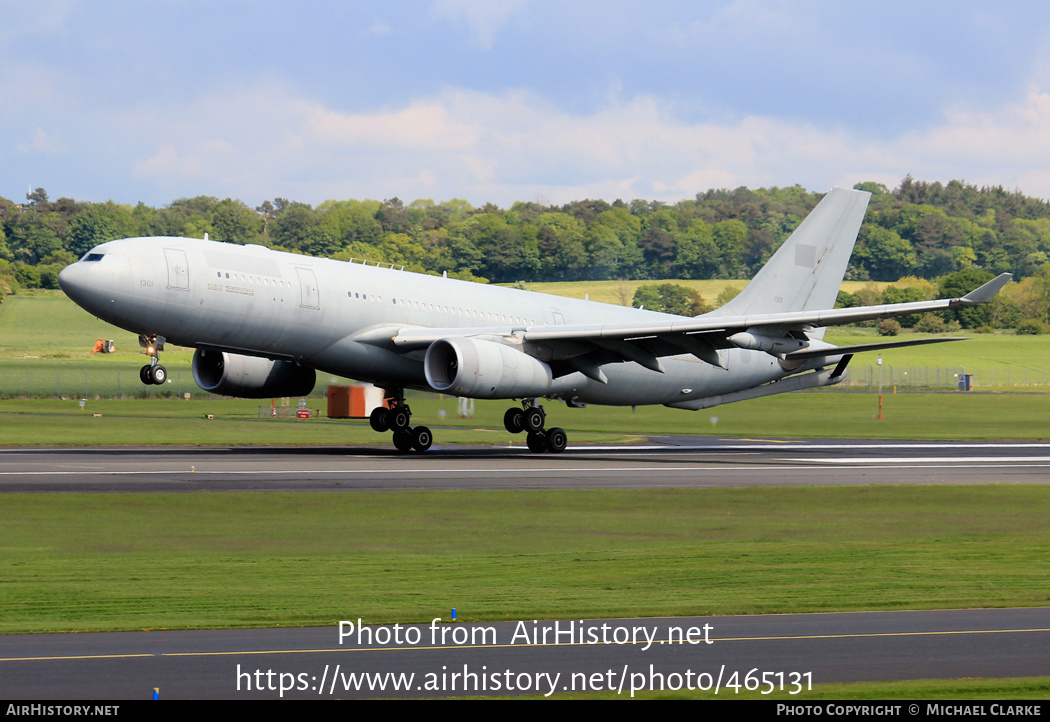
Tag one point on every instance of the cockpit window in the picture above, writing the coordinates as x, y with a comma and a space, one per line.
93, 257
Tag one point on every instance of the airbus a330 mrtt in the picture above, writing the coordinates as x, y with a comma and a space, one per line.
262, 322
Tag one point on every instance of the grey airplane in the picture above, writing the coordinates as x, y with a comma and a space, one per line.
263, 322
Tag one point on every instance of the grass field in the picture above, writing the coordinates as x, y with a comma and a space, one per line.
128, 561
621, 293
46, 324
46, 342
948, 416
45, 350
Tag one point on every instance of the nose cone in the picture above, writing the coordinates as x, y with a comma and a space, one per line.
73, 279
96, 285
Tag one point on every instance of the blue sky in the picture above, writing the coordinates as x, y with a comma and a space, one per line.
516, 100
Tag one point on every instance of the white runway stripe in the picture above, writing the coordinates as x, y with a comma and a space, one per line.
928, 460
812, 464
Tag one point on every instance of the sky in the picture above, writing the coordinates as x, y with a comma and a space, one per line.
516, 100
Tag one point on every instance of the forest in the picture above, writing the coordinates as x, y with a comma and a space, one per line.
926, 233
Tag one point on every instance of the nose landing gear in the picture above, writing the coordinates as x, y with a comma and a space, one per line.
152, 373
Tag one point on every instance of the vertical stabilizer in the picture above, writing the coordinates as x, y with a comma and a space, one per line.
805, 273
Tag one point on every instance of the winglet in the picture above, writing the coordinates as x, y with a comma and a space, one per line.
985, 293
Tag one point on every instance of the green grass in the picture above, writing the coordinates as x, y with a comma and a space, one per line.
999, 362
621, 293
45, 350
47, 323
129, 561
822, 414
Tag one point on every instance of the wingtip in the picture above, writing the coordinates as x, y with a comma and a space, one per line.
987, 292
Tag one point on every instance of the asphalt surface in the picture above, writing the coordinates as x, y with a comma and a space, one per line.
788, 651
682, 462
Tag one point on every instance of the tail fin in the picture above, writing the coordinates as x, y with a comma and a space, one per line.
805, 273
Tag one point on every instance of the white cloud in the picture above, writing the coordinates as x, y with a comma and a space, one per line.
32, 90
1018, 134
43, 142
659, 104
485, 18
42, 17
194, 163
268, 141
423, 125
755, 21
379, 28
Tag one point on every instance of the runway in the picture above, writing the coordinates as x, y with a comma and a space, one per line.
781, 650
790, 652
680, 462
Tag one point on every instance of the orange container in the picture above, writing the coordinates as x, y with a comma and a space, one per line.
353, 401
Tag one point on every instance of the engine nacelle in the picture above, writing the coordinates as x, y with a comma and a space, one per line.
250, 377
481, 369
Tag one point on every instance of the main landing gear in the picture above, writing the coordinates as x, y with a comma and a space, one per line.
397, 418
152, 373
531, 419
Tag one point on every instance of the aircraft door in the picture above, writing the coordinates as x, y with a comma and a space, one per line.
178, 269
310, 295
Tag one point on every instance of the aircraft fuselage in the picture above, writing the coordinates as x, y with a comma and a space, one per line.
334, 316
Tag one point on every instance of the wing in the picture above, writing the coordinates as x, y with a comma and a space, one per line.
585, 347
782, 311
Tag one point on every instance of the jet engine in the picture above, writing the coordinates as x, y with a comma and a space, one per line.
250, 377
482, 369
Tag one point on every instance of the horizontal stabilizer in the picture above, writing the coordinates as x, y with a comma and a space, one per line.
840, 350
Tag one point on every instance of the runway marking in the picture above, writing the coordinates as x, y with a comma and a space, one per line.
764, 444
776, 441
78, 656
768, 445
871, 635
927, 459
810, 465
625, 454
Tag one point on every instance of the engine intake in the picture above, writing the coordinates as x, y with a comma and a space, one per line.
481, 369
250, 377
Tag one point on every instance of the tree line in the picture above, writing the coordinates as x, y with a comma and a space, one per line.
919, 229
